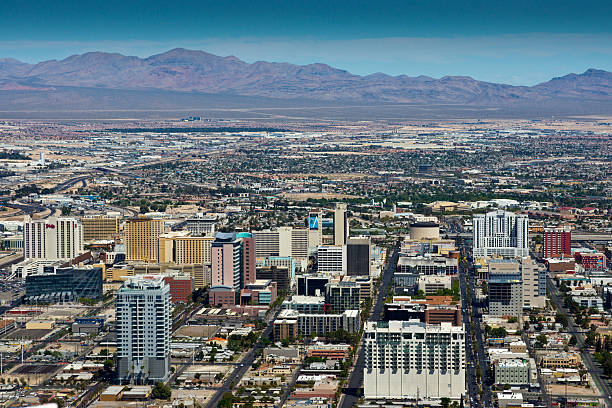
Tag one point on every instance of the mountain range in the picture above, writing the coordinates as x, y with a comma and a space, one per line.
197, 72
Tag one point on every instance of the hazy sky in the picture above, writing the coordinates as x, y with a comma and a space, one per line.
514, 41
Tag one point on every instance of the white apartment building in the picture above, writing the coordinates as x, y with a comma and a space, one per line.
143, 329
500, 233
331, 259
410, 359
52, 238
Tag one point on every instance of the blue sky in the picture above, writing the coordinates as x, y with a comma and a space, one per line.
518, 42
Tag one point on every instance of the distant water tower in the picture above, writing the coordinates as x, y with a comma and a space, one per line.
42, 158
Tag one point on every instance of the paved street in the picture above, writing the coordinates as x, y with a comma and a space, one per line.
472, 385
472, 315
355, 383
246, 362
587, 359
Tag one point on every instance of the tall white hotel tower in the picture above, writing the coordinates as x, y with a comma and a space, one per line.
414, 360
501, 233
52, 238
143, 329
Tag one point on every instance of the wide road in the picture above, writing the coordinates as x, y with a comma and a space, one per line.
246, 362
466, 307
355, 382
472, 313
486, 379
593, 369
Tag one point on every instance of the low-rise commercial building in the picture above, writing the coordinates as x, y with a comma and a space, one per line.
428, 265
432, 284
512, 372
260, 292
64, 284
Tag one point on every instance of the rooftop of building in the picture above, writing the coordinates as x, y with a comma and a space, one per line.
515, 362
140, 282
414, 325
424, 224
505, 395
259, 284
300, 299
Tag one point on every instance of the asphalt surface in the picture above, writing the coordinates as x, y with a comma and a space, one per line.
593, 369
485, 381
242, 368
471, 314
355, 383
472, 385
289, 387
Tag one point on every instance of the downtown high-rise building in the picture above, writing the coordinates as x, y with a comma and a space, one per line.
232, 266
410, 360
314, 224
500, 233
514, 285
201, 226
505, 288
358, 256
183, 248
557, 242
142, 238
331, 259
341, 225
52, 238
100, 227
143, 329
282, 242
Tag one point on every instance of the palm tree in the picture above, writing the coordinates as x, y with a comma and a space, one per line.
582, 372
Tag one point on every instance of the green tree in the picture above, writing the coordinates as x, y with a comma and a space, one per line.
161, 391
108, 365
561, 319
541, 340
498, 332
227, 401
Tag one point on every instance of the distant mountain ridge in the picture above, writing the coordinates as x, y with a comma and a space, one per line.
181, 70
